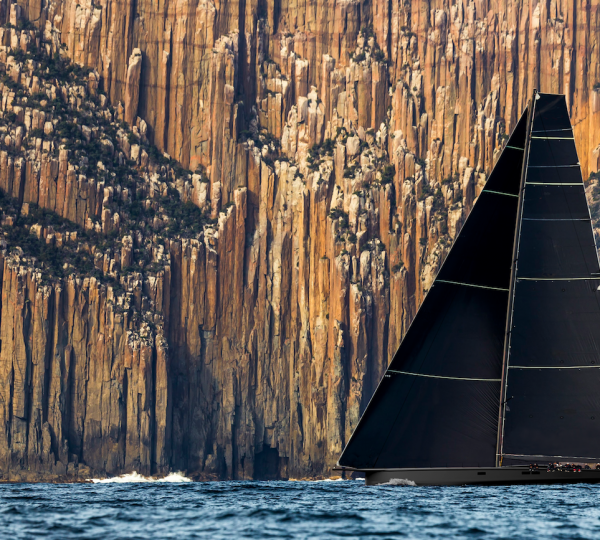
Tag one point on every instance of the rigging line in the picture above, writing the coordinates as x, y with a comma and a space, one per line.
514, 147
554, 367
441, 376
470, 285
499, 193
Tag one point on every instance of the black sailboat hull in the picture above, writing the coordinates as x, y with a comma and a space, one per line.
484, 476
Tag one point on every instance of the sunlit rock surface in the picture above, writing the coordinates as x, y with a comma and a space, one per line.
218, 228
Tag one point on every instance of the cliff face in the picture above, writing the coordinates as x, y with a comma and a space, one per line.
334, 151
204, 66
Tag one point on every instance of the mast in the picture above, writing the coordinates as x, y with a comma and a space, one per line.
513, 276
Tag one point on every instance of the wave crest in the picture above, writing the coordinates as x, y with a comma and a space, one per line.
134, 477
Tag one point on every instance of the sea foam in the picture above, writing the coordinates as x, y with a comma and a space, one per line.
175, 477
399, 482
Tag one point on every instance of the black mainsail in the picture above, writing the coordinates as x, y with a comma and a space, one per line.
552, 405
513, 312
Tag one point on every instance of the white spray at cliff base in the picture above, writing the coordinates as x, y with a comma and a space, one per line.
134, 477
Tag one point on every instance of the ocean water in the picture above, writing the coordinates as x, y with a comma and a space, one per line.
328, 509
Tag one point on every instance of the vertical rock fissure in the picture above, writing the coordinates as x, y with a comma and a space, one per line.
51, 346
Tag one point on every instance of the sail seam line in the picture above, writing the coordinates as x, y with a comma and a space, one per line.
500, 193
470, 285
553, 166
557, 278
546, 184
555, 219
553, 367
555, 138
440, 376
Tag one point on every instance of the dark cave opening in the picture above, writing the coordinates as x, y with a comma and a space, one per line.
266, 464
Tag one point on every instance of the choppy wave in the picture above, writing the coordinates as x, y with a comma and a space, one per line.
134, 477
295, 510
335, 479
399, 482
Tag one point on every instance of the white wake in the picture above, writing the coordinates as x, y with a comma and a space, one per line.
134, 477
399, 482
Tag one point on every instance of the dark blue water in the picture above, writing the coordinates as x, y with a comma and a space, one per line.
297, 510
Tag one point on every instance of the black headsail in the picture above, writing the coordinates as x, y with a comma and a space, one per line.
552, 398
437, 405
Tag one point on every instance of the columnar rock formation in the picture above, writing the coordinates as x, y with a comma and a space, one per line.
333, 152
204, 62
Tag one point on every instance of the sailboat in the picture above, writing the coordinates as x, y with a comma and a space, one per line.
497, 380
